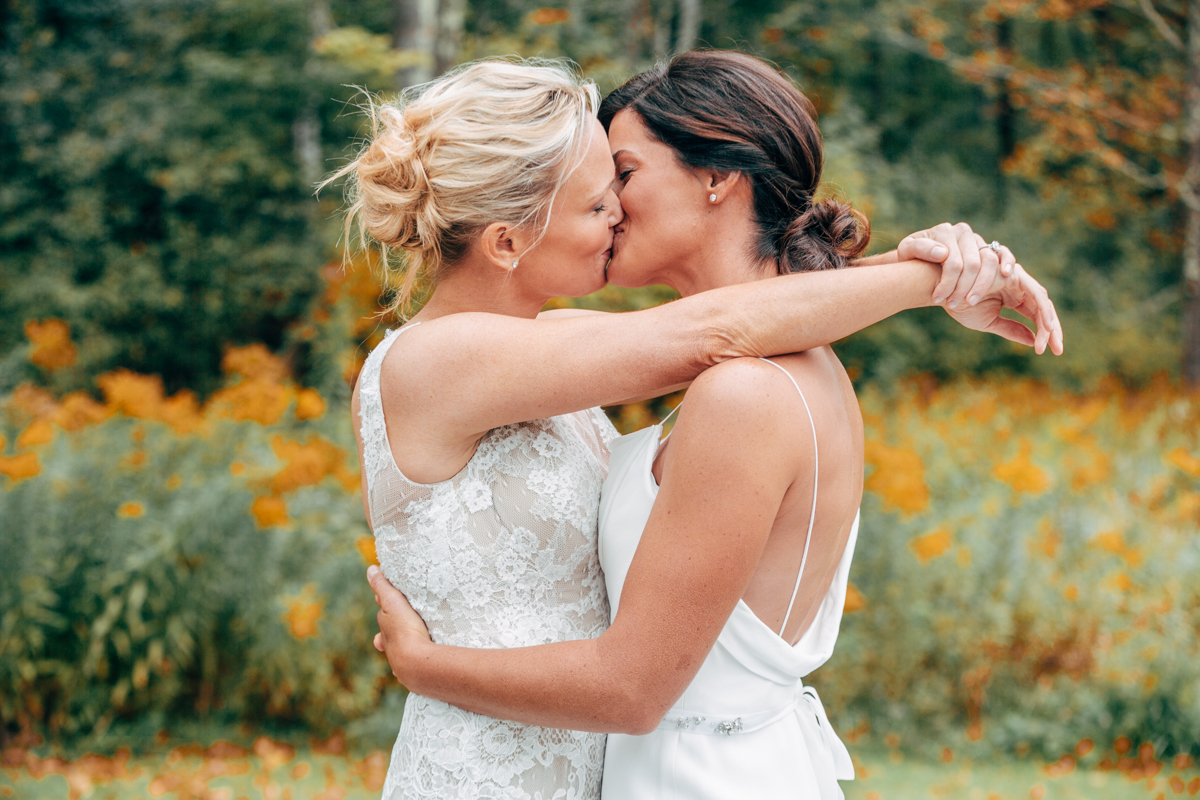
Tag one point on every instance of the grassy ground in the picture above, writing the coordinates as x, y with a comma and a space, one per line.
326, 770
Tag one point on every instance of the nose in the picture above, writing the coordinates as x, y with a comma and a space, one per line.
616, 211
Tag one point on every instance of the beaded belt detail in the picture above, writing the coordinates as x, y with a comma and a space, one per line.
747, 723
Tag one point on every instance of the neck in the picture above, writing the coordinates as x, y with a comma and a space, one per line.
478, 285
725, 262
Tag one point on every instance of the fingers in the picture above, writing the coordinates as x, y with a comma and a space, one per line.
968, 245
378, 642
989, 267
1044, 315
1007, 261
952, 266
1012, 330
921, 246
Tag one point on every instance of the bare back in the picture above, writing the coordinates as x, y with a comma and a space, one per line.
837, 423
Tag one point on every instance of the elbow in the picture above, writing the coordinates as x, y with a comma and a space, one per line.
640, 711
721, 337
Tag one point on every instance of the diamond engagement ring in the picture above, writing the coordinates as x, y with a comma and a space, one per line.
994, 246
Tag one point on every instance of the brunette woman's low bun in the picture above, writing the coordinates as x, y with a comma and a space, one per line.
826, 236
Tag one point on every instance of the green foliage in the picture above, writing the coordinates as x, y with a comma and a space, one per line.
155, 191
1029, 571
150, 573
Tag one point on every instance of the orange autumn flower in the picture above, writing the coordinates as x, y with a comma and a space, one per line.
1022, 474
550, 16
52, 346
255, 399
20, 466
366, 548
131, 510
308, 463
78, 410
134, 395
1185, 461
39, 432
254, 361
309, 404
899, 477
854, 600
302, 613
932, 544
269, 510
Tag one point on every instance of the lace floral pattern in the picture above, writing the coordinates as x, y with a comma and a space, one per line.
501, 555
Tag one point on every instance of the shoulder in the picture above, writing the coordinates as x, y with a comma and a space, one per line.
747, 387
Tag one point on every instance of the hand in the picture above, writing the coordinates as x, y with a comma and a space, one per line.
967, 269
1024, 295
401, 629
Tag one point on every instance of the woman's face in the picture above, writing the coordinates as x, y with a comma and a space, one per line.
570, 259
664, 204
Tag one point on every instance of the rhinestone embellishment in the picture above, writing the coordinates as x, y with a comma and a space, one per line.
730, 728
687, 723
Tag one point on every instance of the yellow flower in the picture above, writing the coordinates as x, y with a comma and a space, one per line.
138, 396
52, 344
1021, 474
308, 463
174, 482
257, 399
1185, 461
366, 548
39, 432
254, 361
854, 600
309, 404
302, 613
268, 511
932, 544
131, 510
899, 477
20, 466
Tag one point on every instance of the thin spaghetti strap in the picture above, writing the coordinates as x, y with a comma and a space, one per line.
812, 517
663, 421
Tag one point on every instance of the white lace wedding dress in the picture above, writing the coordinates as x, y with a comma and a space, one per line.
501, 555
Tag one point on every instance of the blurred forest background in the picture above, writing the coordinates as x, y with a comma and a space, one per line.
180, 524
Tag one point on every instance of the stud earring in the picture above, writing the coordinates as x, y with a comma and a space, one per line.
514, 265
712, 198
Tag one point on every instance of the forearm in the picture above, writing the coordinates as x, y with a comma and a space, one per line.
800, 312
890, 257
562, 685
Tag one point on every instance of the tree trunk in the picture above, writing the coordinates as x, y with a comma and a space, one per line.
452, 14
689, 25
1191, 253
415, 25
1005, 130
662, 28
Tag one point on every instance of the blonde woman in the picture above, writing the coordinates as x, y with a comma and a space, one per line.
482, 447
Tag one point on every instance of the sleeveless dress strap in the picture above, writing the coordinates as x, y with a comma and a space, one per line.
376, 449
812, 517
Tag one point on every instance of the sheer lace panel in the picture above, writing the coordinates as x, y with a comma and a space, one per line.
501, 555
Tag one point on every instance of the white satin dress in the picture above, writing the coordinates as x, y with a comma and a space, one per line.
746, 727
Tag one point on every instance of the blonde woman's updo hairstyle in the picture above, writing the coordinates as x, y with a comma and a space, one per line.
493, 141
728, 111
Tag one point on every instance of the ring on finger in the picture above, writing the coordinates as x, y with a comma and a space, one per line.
993, 245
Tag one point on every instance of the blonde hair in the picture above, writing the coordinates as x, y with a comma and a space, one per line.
491, 141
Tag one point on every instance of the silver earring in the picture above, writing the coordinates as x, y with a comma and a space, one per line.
514, 265
712, 198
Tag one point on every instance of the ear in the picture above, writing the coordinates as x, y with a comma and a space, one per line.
721, 184
503, 243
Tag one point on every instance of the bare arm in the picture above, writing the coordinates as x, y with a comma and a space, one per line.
464, 374
700, 548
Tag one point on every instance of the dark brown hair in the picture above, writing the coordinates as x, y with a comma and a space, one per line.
728, 111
